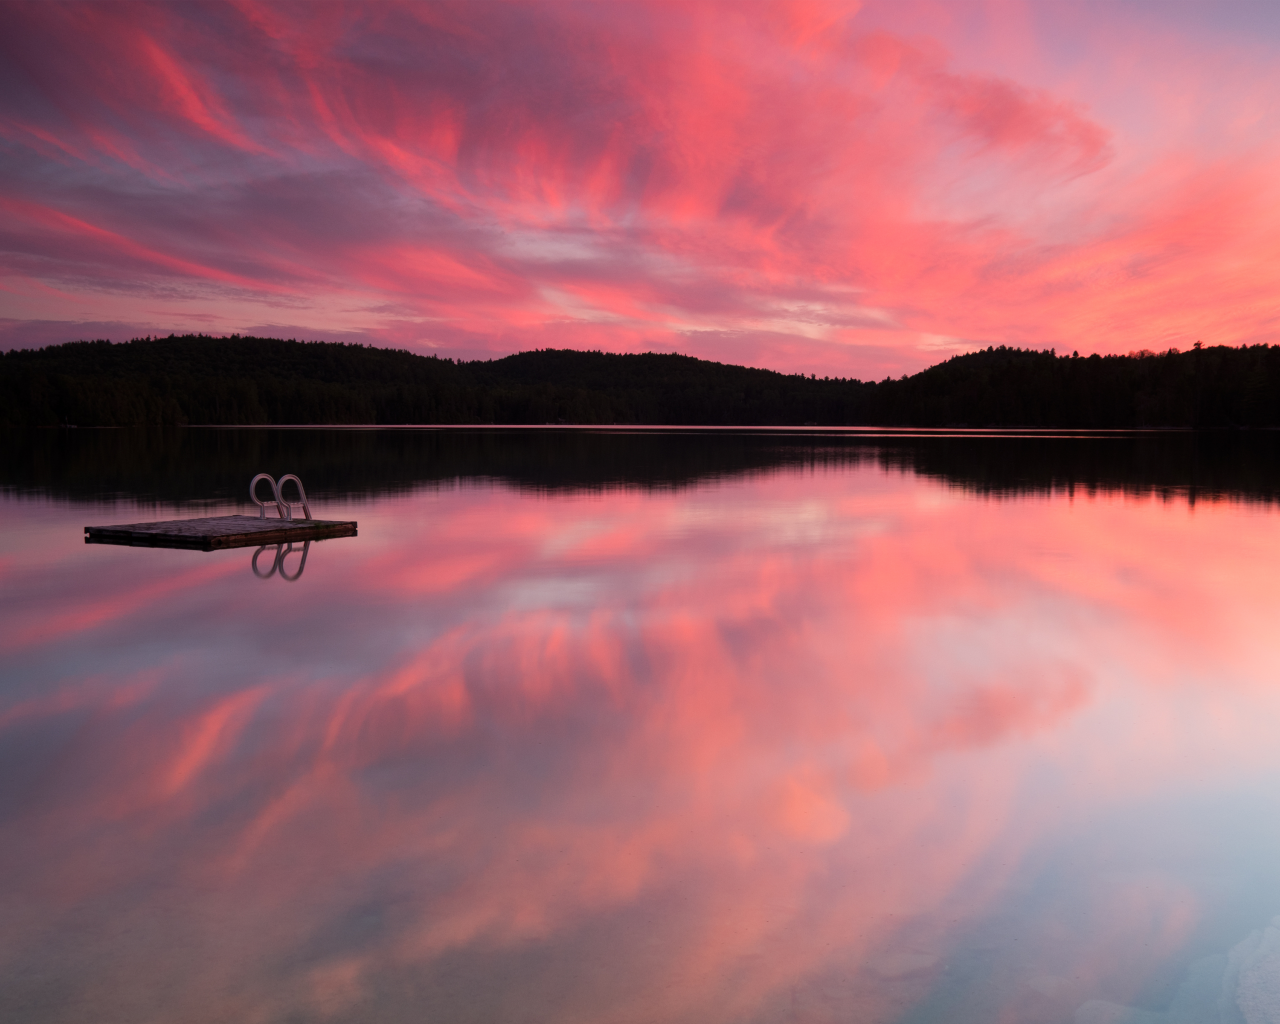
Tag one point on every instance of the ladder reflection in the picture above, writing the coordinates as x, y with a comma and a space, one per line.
282, 551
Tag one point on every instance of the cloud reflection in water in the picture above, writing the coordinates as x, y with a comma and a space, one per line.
794, 747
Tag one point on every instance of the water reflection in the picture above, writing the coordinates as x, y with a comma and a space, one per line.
203, 464
830, 742
279, 553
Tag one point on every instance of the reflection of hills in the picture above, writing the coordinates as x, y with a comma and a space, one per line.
197, 463
1236, 465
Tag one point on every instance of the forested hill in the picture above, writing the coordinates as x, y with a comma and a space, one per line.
238, 380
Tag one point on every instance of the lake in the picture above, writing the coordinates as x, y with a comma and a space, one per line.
645, 726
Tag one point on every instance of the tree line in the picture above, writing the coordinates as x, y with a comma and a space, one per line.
194, 379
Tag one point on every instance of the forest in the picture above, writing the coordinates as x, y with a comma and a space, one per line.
201, 380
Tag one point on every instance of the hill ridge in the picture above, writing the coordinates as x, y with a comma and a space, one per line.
198, 379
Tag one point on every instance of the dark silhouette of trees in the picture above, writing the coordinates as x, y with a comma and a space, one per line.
195, 379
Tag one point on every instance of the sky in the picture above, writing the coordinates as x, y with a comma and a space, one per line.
832, 188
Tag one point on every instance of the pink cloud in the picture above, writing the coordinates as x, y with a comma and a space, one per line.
828, 188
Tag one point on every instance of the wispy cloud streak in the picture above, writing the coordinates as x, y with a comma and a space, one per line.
821, 187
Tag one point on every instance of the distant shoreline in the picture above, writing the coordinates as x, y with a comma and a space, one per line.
739, 428
240, 381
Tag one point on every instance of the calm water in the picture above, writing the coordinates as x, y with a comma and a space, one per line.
654, 728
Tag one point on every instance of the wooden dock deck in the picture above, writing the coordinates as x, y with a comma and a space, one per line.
214, 532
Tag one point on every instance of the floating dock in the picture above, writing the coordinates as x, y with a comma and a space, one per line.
215, 532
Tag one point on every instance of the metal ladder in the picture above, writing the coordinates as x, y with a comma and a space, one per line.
284, 508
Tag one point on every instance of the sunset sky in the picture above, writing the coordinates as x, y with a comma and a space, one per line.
831, 188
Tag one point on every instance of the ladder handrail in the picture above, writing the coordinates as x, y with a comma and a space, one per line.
273, 500
284, 508
306, 508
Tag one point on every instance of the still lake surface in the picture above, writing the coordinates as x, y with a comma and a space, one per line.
645, 726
